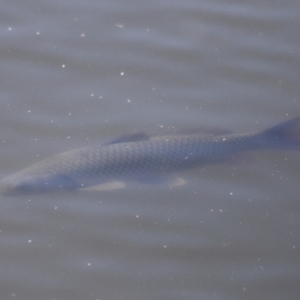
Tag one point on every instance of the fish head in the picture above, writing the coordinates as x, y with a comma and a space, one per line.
23, 184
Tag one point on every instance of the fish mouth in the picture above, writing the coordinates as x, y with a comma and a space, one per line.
14, 186
10, 188
7, 189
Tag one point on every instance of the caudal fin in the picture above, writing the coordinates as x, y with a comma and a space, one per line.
285, 135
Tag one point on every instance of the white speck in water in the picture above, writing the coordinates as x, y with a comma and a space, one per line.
63, 66
82, 35
29, 241
119, 25
29, 111
128, 100
122, 73
165, 246
37, 33
231, 193
92, 95
89, 264
9, 28
137, 216
55, 207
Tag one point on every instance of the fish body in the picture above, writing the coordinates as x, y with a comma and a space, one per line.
141, 157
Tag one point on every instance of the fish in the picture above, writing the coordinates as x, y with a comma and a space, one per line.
145, 158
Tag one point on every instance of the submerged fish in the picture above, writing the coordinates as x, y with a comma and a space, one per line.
143, 158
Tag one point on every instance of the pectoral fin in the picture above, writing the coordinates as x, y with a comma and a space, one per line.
170, 181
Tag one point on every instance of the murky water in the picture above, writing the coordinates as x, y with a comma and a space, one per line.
78, 73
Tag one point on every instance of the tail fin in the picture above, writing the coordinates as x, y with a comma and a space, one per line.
285, 135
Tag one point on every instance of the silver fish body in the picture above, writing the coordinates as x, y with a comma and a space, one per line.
140, 157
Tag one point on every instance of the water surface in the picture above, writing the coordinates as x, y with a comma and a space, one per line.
79, 73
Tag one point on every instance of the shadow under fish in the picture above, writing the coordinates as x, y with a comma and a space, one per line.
144, 158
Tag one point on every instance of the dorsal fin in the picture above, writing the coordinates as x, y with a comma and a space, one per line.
132, 137
141, 136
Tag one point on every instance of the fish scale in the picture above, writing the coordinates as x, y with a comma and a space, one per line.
139, 156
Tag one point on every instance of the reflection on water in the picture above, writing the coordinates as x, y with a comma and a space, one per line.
74, 75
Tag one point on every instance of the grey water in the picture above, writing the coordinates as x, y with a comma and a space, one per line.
76, 74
